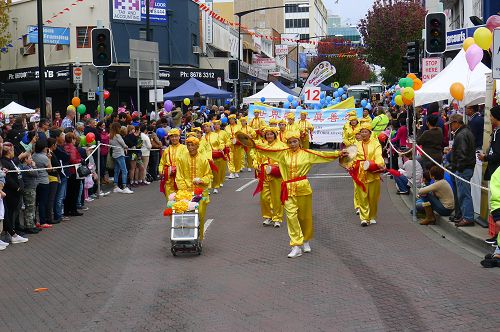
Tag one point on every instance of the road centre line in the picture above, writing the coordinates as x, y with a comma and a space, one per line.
207, 224
248, 184
319, 176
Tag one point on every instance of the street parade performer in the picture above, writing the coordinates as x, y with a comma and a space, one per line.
168, 162
306, 130
245, 128
296, 192
349, 130
236, 150
257, 123
193, 171
225, 140
270, 180
216, 147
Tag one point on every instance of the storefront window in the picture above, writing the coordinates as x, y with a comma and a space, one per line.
83, 37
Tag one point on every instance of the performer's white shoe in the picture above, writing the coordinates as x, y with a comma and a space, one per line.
249, 169
364, 223
267, 222
222, 185
296, 252
277, 224
215, 191
307, 247
373, 222
231, 176
236, 175
357, 211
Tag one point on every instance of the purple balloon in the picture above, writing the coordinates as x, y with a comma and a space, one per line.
168, 105
473, 55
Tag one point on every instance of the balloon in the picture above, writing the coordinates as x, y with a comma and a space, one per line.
323, 95
409, 93
75, 101
83, 141
467, 43
402, 82
295, 104
368, 106
417, 84
290, 98
398, 93
90, 137
108, 110
135, 114
407, 101
363, 103
262, 99
412, 76
81, 109
106, 94
393, 103
328, 99
302, 97
168, 105
187, 101
457, 90
344, 96
474, 55
228, 102
71, 108
483, 38
160, 132
286, 104
399, 100
340, 91
409, 82
97, 91
299, 108
336, 94
493, 22
223, 120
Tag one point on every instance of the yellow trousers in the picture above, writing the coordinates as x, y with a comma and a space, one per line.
368, 201
235, 163
299, 219
220, 163
305, 142
202, 209
357, 189
249, 159
270, 201
169, 187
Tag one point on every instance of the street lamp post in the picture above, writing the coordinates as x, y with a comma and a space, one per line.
41, 61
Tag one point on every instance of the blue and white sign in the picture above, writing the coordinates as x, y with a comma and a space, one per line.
157, 10
455, 38
51, 35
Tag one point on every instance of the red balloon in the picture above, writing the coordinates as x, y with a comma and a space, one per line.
90, 137
106, 94
493, 22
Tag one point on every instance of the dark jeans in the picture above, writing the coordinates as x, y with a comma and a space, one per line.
42, 200
154, 161
12, 202
402, 183
102, 170
464, 194
53, 186
60, 196
71, 195
436, 205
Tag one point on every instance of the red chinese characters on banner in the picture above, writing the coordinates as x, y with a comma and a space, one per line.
318, 116
333, 117
275, 114
346, 116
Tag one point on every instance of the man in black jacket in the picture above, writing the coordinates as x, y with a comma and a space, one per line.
475, 124
463, 161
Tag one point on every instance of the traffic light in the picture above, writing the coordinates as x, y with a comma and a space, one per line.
413, 56
435, 33
234, 69
101, 47
404, 64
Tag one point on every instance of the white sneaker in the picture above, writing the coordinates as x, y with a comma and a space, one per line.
357, 211
18, 239
296, 252
266, 222
2, 248
249, 169
215, 191
89, 199
231, 176
307, 247
277, 224
222, 185
117, 190
236, 175
364, 223
126, 190
104, 194
4, 244
146, 182
373, 221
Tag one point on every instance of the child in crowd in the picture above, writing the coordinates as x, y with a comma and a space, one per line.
493, 260
29, 194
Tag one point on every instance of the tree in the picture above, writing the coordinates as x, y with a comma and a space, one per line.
4, 23
386, 29
347, 60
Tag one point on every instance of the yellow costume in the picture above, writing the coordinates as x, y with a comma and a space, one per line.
368, 199
236, 154
246, 152
225, 139
168, 163
257, 123
294, 167
270, 185
190, 168
349, 131
306, 129
215, 147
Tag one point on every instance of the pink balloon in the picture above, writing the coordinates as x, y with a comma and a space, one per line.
493, 22
474, 55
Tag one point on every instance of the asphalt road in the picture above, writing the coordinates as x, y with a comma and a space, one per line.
112, 270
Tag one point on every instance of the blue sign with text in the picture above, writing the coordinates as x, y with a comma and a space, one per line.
157, 10
455, 38
51, 35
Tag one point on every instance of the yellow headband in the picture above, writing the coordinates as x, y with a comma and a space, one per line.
193, 140
232, 116
244, 118
292, 134
174, 131
207, 124
290, 116
191, 134
196, 129
352, 117
282, 121
303, 113
216, 121
365, 125
256, 111
273, 121
271, 129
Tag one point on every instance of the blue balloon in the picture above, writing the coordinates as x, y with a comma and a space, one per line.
368, 106
262, 99
328, 98
340, 91
228, 102
286, 104
25, 138
316, 106
337, 99
290, 98
393, 103
298, 108
97, 92
223, 120
323, 95
160, 132
344, 96
295, 104
363, 103
302, 97
335, 102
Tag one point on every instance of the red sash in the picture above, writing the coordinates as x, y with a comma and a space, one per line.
213, 167
261, 177
354, 172
284, 189
217, 154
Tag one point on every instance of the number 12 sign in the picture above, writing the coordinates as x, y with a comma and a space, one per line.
312, 95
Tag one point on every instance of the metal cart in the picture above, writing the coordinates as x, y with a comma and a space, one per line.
185, 233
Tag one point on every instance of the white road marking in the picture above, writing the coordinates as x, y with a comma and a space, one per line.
329, 176
207, 224
248, 184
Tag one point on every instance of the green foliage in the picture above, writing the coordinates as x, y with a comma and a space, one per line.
5, 36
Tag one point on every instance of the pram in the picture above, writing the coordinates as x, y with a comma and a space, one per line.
185, 233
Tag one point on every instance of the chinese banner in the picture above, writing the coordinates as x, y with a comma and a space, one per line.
328, 124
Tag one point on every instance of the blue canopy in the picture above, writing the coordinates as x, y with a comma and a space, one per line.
285, 88
188, 89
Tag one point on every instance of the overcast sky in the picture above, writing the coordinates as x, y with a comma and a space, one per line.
354, 10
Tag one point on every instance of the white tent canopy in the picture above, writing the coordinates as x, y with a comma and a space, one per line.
458, 70
271, 92
14, 108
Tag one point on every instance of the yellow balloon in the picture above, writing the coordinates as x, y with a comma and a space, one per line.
483, 38
399, 100
409, 93
468, 42
187, 101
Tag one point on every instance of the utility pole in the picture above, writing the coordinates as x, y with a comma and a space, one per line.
41, 61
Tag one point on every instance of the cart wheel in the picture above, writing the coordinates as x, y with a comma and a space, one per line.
199, 249
174, 252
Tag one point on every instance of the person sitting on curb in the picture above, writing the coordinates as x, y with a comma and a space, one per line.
437, 197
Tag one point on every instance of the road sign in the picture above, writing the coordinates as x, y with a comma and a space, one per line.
144, 59
91, 95
430, 68
312, 95
336, 85
150, 83
495, 61
77, 75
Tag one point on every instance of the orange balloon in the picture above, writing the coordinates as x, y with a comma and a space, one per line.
412, 76
457, 90
407, 101
75, 101
417, 84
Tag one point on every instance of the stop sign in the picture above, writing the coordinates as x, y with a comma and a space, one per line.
77, 75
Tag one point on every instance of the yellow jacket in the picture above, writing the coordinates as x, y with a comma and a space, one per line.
190, 168
305, 126
257, 123
293, 127
232, 130
259, 159
214, 141
348, 136
205, 148
249, 131
224, 137
297, 164
372, 150
281, 136
171, 155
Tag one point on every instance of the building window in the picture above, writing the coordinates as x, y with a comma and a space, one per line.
83, 37
297, 23
290, 8
28, 48
304, 36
